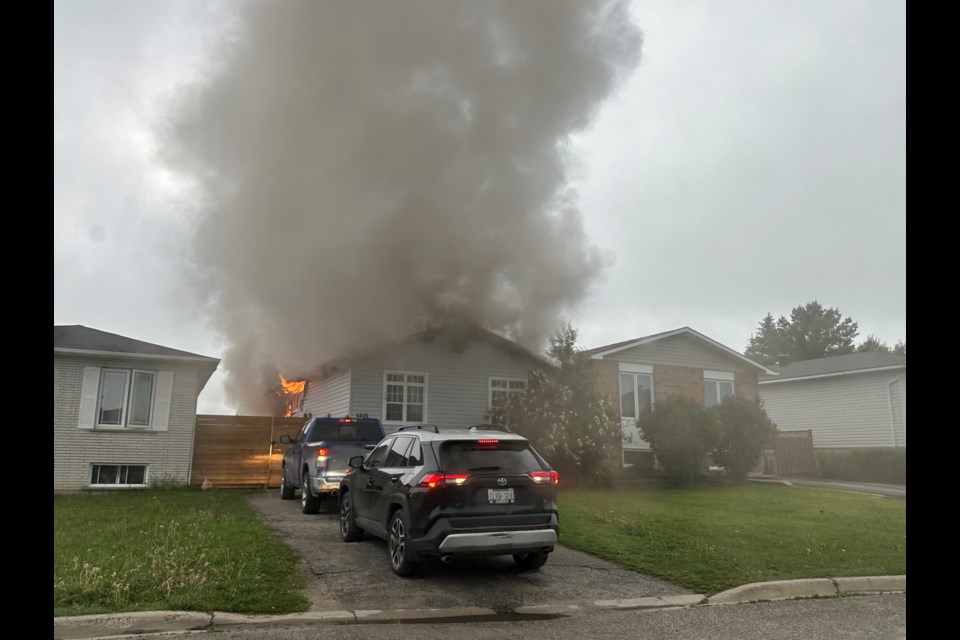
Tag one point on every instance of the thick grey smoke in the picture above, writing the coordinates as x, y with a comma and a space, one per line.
372, 167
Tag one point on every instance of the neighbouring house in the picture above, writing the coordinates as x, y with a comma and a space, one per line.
449, 376
124, 410
857, 400
637, 373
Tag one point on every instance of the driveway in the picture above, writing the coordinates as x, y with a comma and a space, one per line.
357, 575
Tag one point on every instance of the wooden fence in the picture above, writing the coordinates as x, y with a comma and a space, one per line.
240, 451
794, 454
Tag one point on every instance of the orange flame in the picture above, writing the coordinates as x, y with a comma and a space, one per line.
293, 388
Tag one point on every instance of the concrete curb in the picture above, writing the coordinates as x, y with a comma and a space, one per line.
146, 622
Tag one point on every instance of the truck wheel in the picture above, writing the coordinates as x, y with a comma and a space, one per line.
349, 531
286, 491
309, 503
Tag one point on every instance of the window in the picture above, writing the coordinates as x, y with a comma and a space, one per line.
397, 456
714, 391
404, 396
415, 457
636, 393
118, 475
500, 388
378, 455
121, 403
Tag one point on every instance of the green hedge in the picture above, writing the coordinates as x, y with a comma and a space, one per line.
865, 465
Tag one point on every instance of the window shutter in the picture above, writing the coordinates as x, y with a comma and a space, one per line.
161, 404
88, 397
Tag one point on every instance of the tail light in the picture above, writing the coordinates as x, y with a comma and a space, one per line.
545, 477
438, 480
322, 453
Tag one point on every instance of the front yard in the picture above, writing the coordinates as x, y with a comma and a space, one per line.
177, 549
712, 539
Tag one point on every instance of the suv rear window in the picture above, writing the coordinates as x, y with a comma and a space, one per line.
507, 456
345, 431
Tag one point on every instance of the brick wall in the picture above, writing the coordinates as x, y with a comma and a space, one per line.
745, 385
669, 381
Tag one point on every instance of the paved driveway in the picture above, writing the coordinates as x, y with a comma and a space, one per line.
357, 575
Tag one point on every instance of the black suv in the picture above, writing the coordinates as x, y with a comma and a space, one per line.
475, 492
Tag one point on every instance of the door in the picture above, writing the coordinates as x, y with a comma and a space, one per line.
294, 456
386, 480
363, 482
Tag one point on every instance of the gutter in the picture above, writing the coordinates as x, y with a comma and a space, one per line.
145, 356
893, 424
835, 374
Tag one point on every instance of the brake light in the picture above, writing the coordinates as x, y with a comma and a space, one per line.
545, 477
487, 445
322, 453
347, 420
437, 480
488, 441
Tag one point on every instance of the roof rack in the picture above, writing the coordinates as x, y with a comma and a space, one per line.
430, 427
490, 427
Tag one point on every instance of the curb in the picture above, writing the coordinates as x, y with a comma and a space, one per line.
147, 622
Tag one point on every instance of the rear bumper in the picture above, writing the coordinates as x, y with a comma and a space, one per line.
498, 541
497, 536
324, 485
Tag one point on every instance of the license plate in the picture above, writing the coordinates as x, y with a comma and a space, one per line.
500, 496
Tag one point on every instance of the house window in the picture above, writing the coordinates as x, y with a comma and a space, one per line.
404, 396
118, 475
121, 403
714, 391
636, 393
501, 388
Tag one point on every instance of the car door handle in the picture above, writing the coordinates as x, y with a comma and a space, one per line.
394, 480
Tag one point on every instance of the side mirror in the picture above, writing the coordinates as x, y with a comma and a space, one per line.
285, 439
356, 462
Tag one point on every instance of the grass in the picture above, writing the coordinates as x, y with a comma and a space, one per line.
713, 539
154, 550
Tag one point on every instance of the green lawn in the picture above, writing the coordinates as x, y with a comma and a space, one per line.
176, 549
712, 539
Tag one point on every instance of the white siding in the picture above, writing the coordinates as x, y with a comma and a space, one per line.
458, 383
331, 395
682, 351
899, 398
843, 411
168, 453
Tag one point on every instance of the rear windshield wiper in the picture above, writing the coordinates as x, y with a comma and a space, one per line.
492, 468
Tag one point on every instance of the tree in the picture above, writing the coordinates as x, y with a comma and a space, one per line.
900, 348
681, 433
873, 343
811, 332
563, 415
744, 430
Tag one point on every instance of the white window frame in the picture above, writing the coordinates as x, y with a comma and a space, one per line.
425, 385
716, 380
153, 396
123, 407
636, 394
146, 475
506, 379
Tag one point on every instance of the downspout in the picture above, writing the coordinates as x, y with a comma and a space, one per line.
893, 424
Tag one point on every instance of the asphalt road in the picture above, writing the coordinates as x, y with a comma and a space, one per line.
357, 575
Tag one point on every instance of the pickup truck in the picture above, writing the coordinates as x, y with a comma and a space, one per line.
320, 454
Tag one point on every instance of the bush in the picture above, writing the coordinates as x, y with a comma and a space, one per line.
681, 433
744, 430
886, 464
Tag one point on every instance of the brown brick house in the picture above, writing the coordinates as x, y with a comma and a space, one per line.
637, 373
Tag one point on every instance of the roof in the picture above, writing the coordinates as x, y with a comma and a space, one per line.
430, 432
598, 353
851, 363
75, 338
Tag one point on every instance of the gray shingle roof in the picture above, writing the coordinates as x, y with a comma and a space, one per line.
78, 337
837, 364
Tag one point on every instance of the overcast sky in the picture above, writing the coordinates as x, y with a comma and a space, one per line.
754, 161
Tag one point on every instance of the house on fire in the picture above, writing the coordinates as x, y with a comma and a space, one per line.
124, 410
449, 376
637, 373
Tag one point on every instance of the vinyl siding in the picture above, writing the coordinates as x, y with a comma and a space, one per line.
457, 383
843, 411
682, 351
899, 397
331, 395
168, 453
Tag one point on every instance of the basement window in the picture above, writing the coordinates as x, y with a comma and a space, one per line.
118, 475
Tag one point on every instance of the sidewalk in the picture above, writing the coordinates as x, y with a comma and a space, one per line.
888, 490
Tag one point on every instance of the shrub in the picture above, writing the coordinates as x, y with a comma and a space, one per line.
681, 433
886, 464
744, 430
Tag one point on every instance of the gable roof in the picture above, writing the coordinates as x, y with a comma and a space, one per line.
850, 363
598, 353
75, 338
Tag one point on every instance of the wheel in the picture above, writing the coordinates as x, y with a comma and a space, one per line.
397, 547
349, 531
530, 561
309, 503
286, 491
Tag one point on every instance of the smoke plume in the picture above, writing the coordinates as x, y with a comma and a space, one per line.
370, 168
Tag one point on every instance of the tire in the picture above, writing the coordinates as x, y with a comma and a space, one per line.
530, 561
309, 503
286, 491
398, 551
349, 531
